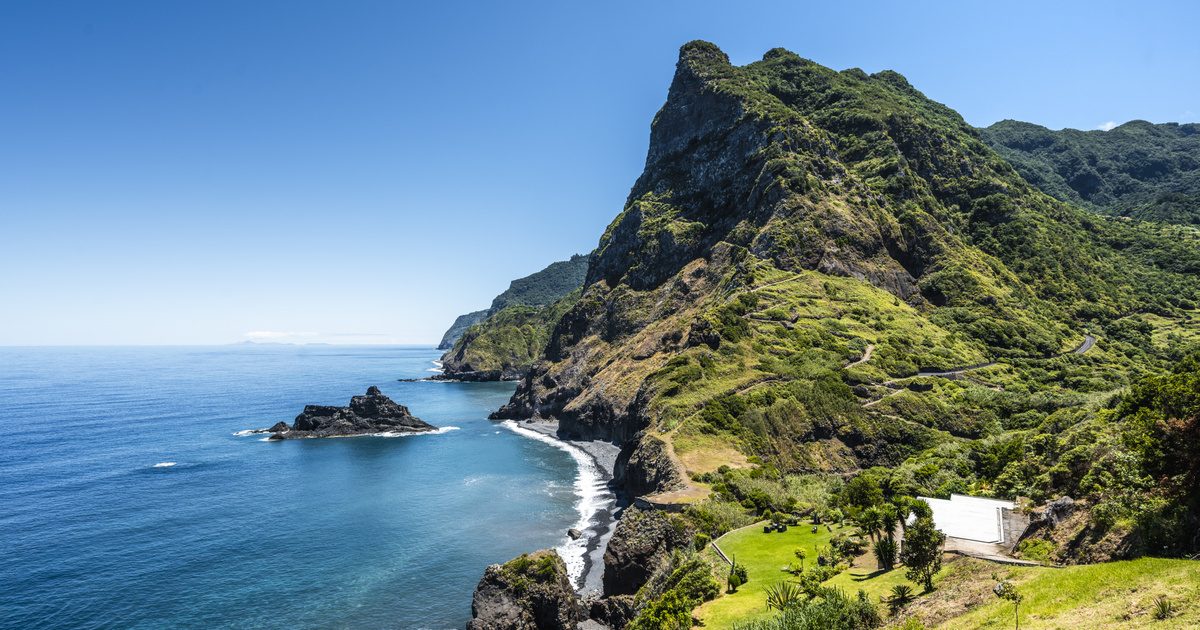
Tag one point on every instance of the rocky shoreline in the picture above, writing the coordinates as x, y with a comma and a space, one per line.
604, 509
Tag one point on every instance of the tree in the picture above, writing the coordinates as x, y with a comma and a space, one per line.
1006, 590
871, 521
923, 551
885, 553
801, 555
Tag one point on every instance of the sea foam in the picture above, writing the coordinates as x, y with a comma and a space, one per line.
164, 464
590, 488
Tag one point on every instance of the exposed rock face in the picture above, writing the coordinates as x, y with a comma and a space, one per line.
645, 467
371, 413
615, 611
643, 541
530, 592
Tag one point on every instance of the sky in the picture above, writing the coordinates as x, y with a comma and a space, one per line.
362, 172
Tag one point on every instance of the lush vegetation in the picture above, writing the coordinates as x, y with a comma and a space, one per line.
829, 295
508, 341
508, 337
544, 287
1138, 169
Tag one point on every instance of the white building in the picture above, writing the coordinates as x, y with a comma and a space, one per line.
972, 518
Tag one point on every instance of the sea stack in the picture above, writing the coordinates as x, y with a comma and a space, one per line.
367, 414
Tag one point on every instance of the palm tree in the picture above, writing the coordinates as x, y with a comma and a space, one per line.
871, 521
801, 555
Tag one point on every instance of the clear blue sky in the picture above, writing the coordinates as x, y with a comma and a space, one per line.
194, 172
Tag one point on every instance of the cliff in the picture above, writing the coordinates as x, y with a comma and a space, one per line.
790, 217
530, 592
510, 337
460, 326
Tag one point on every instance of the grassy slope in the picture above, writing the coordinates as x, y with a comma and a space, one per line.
1111, 594
764, 555
1107, 595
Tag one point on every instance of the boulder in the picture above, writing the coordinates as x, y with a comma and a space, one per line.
529, 592
575, 534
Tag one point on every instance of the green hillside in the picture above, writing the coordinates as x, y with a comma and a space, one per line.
826, 272
1139, 170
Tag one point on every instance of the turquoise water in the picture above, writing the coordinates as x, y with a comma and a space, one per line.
368, 532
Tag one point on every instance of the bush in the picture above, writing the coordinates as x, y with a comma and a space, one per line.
902, 595
831, 610
1036, 549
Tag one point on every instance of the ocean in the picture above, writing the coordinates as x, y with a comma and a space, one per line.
130, 498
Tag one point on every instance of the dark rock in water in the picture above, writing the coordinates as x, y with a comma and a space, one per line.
278, 427
574, 533
372, 413
643, 541
529, 592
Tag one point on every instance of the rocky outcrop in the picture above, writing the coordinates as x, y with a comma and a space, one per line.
645, 467
530, 592
614, 611
367, 414
643, 541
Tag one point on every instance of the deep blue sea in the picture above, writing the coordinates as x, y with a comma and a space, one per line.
127, 500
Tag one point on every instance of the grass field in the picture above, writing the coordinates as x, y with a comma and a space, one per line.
764, 556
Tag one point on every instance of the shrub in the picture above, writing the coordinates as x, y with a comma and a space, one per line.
832, 610
1036, 549
1163, 608
902, 595
783, 595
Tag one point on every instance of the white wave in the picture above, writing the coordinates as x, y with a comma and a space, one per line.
392, 434
590, 487
246, 432
266, 439
164, 464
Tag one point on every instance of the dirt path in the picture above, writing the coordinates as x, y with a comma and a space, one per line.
865, 357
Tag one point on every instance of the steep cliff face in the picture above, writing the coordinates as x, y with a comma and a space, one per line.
509, 337
530, 592
789, 217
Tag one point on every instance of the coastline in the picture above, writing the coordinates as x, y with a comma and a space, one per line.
598, 503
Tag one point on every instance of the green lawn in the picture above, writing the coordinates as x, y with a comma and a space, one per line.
1106, 595
764, 556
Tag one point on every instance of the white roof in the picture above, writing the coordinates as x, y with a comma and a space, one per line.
972, 518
